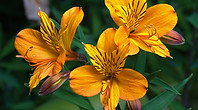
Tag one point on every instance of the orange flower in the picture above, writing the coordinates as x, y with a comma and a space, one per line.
48, 50
107, 75
144, 26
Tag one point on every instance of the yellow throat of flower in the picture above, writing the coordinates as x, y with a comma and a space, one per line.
108, 64
132, 13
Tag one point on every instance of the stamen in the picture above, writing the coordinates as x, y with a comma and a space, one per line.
152, 32
26, 54
20, 56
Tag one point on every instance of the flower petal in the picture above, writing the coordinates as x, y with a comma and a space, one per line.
95, 54
121, 38
109, 95
48, 29
160, 18
172, 38
132, 85
114, 95
40, 72
151, 45
86, 80
115, 17
58, 64
69, 22
127, 12
118, 2
134, 49
106, 40
29, 43
49, 68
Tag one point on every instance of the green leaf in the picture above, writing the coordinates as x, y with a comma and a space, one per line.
163, 84
78, 43
70, 96
152, 75
23, 105
57, 25
57, 104
1, 35
7, 78
122, 104
81, 34
15, 64
95, 102
176, 106
8, 48
193, 19
161, 101
57, 14
141, 62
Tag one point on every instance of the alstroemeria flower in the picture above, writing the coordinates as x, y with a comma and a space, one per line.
145, 26
107, 74
48, 49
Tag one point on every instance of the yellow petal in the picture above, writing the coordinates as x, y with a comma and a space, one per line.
118, 2
151, 45
132, 85
86, 80
109, 94
114, 95
116, 18
158, 19
127, 12
105, 93
121, 38
29, 43
58, 64
70, 20
134, 49
106, 40
40, 72
95, 54
48, 29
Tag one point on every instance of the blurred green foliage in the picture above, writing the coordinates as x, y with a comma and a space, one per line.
14, 72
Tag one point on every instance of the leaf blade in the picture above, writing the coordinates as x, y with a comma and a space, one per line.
164, 99
163, 84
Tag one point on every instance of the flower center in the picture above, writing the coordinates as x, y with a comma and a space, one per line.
131, 14
108, 63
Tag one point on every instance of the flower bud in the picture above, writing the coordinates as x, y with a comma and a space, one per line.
52, 83
172, 38
133, 105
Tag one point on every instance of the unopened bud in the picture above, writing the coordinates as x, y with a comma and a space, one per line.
52, 83
133, 105
172, 38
